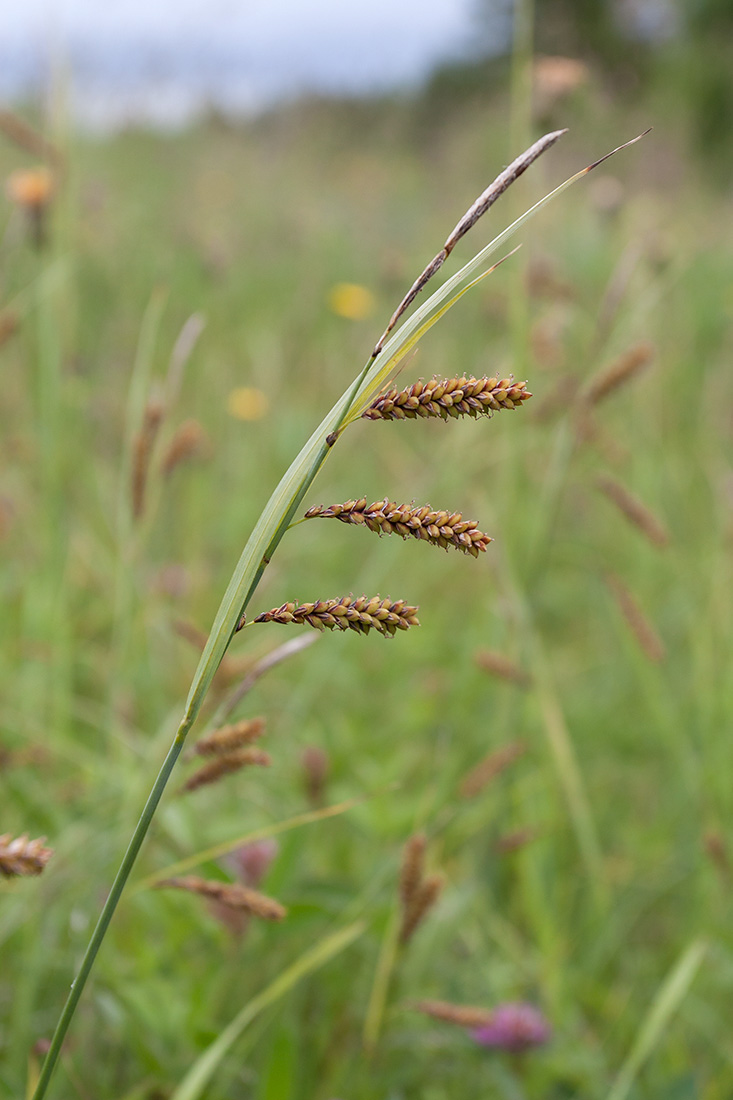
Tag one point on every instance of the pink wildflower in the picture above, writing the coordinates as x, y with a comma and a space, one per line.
515, 1028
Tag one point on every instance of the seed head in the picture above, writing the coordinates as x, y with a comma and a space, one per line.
422, 902
143, 447
490, 767
228, 738
463, 1015
232, 895
634, 510
411, 874
189, 441
622, 370
22, 856
442, 529
345, 613
640, 626
225, 765
442, 398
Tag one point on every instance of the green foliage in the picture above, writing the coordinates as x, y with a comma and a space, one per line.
252, 228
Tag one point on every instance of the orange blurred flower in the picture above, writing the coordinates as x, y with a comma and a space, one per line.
32, 188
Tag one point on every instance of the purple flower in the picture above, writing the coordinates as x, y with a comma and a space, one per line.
251, 862
515, 1028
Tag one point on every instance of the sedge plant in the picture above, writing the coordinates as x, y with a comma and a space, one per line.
370, 396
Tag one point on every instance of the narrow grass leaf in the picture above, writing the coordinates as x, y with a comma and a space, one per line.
227, 846
665, 1004
386, 963
198, 1077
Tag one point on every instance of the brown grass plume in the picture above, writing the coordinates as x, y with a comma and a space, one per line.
386, 517
226, 764
490, 767
443, 398
649, 641
635, 512
21, 856
362, 614
618, 373
233, 895
227, 738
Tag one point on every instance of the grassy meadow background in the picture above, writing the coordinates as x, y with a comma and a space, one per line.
592, 876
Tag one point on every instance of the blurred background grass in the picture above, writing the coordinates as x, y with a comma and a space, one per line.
580, 876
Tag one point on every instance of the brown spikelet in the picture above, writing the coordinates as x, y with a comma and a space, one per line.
649, 641
412, 870
233, 895
422, 902
385, 517
189, 441
635, 512
227, 738
8, 325
518, 838
316, 766
490, 767
21, 856
225, 765
618, 373
717, 852
447, 397
362, 614
142, 449
496, 664
470, 1016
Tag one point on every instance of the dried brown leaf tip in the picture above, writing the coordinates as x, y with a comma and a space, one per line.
233, 895
635, 512
446, 397
362, 614
385, 517
227, 738
463, 1015
225, 765
21, 856
418, 894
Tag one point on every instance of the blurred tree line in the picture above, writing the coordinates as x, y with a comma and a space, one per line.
680, 49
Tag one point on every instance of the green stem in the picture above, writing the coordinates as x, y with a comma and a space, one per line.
110, 905
196, 698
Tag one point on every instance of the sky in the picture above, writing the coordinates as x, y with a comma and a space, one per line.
130, 57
